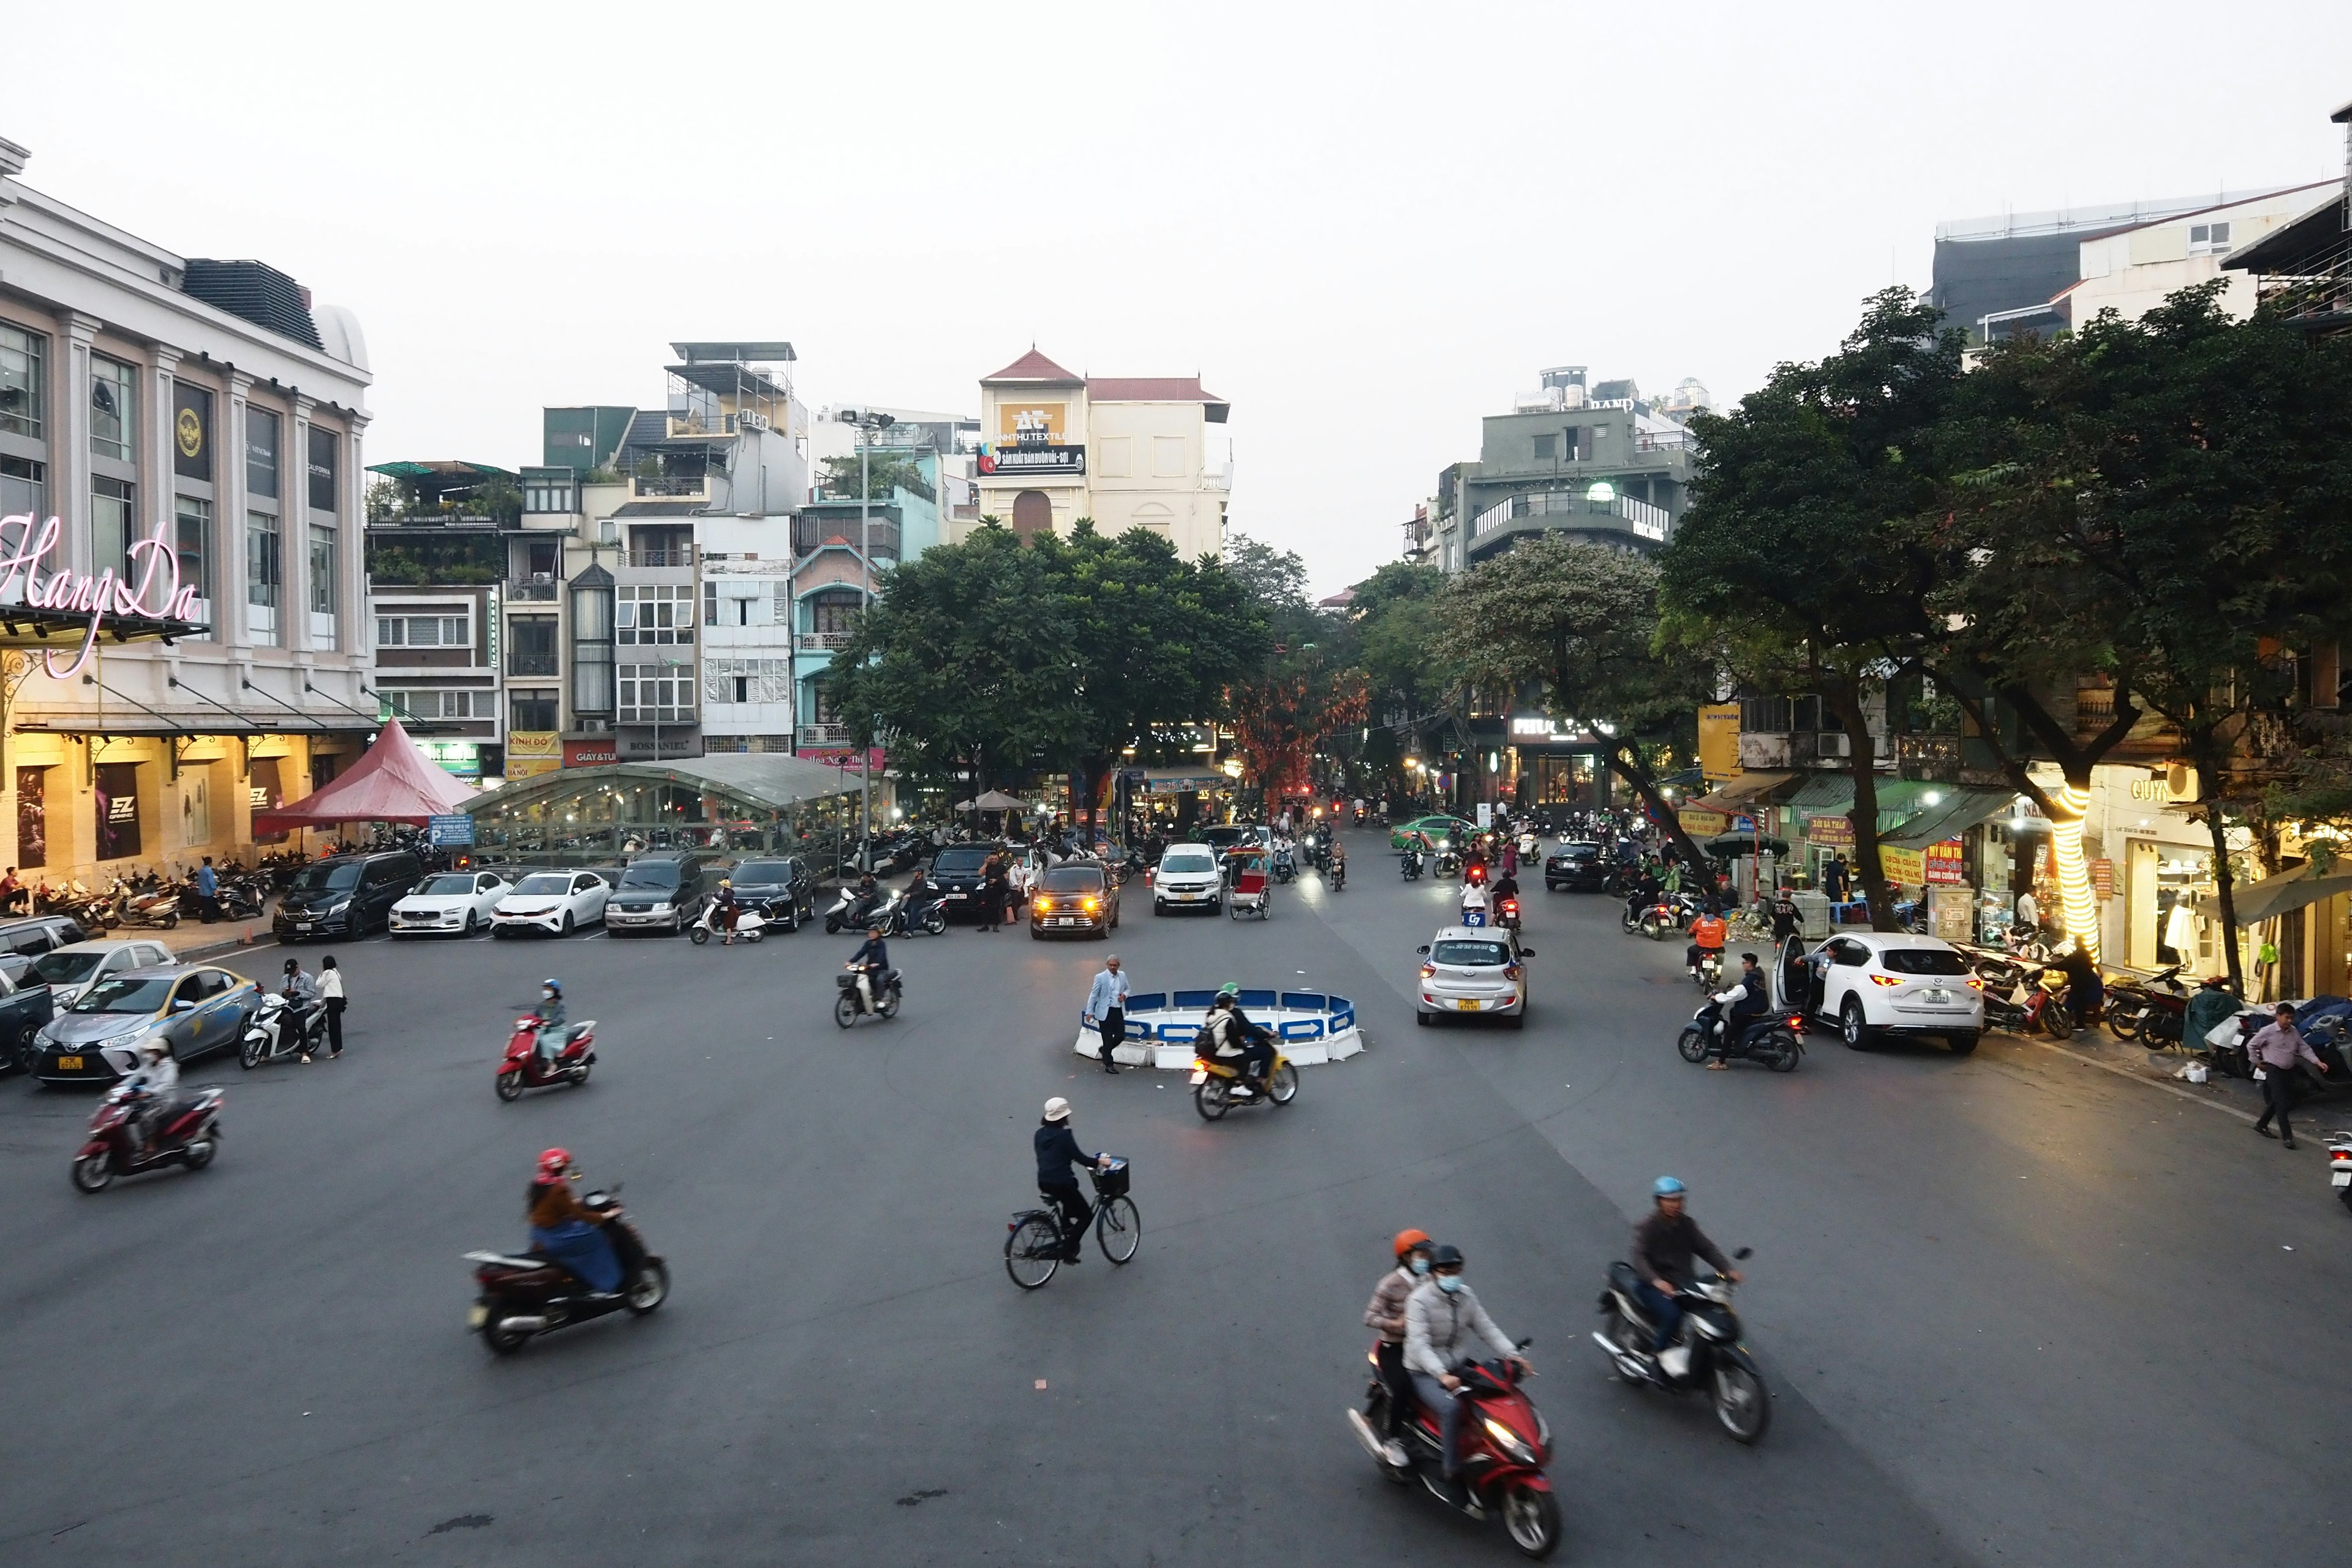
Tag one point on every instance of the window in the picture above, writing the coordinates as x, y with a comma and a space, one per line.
532, 710
111, 526
427, 631
546, 495
539, 557
834, 609
113, 398
23, 485
438, 705
322, 570
192, 524
650, 691
710, 604
530, 650
650, 614
322, 470
264, 572
1546, 447
2208, 238
747, 680
261, 452
21, 356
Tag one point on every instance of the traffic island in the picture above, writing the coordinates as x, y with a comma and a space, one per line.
1312, 1026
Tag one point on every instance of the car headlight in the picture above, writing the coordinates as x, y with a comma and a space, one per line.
1510, 1442
338, 907
663, 909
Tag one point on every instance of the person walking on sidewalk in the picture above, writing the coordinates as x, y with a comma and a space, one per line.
1107, 1009
330, 988
2276, 1049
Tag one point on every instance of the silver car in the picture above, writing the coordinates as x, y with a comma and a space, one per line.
1475, 970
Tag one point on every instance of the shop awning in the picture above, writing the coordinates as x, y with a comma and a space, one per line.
2275, 896
994, 799
393, 782
1832, 794
1734, 796
1823, 794
1961, 809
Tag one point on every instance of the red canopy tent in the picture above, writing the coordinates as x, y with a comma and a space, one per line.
393, 782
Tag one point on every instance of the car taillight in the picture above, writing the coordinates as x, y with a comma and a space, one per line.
1429, 972
1886, 980
1975, 984
1510, 971
1796, 1021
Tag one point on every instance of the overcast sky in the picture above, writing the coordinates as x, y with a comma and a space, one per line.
1366, 225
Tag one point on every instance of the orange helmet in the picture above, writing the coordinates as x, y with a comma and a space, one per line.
1406, 1240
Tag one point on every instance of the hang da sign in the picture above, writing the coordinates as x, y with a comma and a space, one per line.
159, 595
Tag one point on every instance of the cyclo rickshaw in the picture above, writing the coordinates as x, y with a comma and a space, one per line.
1250, 874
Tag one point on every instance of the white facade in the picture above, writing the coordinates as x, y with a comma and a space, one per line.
2132, 273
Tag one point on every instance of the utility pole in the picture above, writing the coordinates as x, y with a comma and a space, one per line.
862, 424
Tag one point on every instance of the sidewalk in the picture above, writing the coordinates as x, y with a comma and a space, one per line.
2317, 1116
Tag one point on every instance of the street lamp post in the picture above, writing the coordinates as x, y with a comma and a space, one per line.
861, 423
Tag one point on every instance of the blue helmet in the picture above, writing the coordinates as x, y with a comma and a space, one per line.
554, 985
1666, 1187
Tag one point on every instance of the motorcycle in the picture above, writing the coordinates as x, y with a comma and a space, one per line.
1508, 1444
750, 924
2034, 1002
1506, 912
191, 1138
156, 907
848, 1008
1218, 1087
1706, 1356
1708, 976
522, 1067
1409, 865
525, 1294
1449, 864
1776, 1040
2151, 1010
268, 1035
1335, 871
2339, 1165
923, 911
1473, 905
853, 909
1285, 864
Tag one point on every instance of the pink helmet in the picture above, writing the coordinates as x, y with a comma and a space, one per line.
552, 1164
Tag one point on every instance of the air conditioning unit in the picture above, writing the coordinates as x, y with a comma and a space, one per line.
1833, 744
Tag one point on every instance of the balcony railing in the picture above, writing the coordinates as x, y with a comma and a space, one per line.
532, 664
2320, 287
669, 486
1649, 521
1218, 479
824, 734
1665, 441
662, 555
654, 716
535, 590
820, 642
811, 533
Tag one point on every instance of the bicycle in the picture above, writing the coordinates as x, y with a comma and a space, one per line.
1034, 1242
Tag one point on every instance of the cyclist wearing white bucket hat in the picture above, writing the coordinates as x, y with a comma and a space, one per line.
1057, 1150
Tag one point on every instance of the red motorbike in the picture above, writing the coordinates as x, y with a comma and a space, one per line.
1508, 1442
523, 1067
1506, 912
525, 1294
191, 1138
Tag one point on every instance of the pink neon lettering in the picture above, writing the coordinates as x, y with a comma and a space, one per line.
24, 555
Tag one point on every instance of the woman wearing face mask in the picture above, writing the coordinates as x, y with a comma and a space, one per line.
1387, 1314
1443, 1325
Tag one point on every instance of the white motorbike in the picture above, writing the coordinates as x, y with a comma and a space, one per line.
853, 911
269, 1033
750, 924
2339, 1165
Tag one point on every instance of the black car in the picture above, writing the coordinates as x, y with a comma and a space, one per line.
778, 886
1579, 867
345, 895
25, 1004
1076, 898
37, 935
665, 890
956, 869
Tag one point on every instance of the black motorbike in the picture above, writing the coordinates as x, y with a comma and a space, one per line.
888, 992
1776, 1040
527, 1294
1706, 1357
922, 912
1409, 865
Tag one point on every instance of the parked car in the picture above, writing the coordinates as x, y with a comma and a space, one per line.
1076, 898
1473, 969
1441, 831
76, 967
37, 934
1865, 984
665, 889
449, 903
780, 884
956, 869
345, 895
198, 1008
1189, 876
556, 902
1578, 866
25, 1005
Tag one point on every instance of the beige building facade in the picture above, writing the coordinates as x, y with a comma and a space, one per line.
1126, 452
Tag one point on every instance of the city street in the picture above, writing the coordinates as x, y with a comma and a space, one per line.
2014, 1309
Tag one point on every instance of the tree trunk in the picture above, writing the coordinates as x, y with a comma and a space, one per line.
1862, 765
1625, 760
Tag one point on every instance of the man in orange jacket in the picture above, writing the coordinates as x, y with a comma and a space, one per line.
1706, 936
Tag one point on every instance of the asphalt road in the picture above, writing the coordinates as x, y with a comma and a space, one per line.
2014, 1310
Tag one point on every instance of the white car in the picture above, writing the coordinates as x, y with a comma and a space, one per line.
1188, 877
1473, 969
449, 903
555, 901
74, 968
1864, 983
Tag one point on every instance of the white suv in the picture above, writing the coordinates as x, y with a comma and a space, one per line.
1188, 877
1868, 983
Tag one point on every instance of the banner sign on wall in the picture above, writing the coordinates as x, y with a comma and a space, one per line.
1718, 741
530, 753
601, 751
1831, 832
31, 817
1033, 460
116, 814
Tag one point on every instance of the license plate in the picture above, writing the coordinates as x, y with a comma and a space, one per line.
69, 1064
1066, 920
2342, 1178
1466, 1005
1199, 1076
955, 895
302, 925
1939, 996
477, 1315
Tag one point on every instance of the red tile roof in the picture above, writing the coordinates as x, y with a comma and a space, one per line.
1149, 389
1032, 366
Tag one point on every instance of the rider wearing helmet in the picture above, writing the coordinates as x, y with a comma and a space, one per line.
1663, 1246
1230, 1034
156, 1081
1386, 1313
566, 1230
1443, 1325
872, 963
552, 1034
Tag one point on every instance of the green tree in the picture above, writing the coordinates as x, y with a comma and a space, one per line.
1396, 633
839, 477
1583, 621
1802, 558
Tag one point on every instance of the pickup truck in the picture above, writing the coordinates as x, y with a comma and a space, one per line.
25, 1004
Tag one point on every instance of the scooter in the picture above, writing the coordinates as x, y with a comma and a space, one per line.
1285, 864
2151, 1010
523, 1295
1708, 976
1506, 912
1409, 865
1335, 871
158, 908
1507, 1444
851, 909
1706, 1356
848, 1007
191, 1138
1218, 1086
1473, 905
750, 924
523, 1068
922, 912
1776, 1040
268, 1035
2339, 1165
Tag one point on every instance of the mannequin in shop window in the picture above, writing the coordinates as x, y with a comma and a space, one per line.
2180, 935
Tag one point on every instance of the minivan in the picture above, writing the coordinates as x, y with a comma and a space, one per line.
345, 895
663, 890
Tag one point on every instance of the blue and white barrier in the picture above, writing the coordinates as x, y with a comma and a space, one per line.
1314, 1026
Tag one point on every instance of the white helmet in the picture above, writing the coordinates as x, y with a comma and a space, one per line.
1057, 1110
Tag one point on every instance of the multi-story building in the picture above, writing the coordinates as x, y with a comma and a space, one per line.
842, 539
1126, 452
1598, 462
173, 414
437, 558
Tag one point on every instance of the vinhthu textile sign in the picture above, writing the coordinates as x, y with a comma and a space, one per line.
158, 594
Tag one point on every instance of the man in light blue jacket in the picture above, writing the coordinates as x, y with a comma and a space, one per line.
1107, 1009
